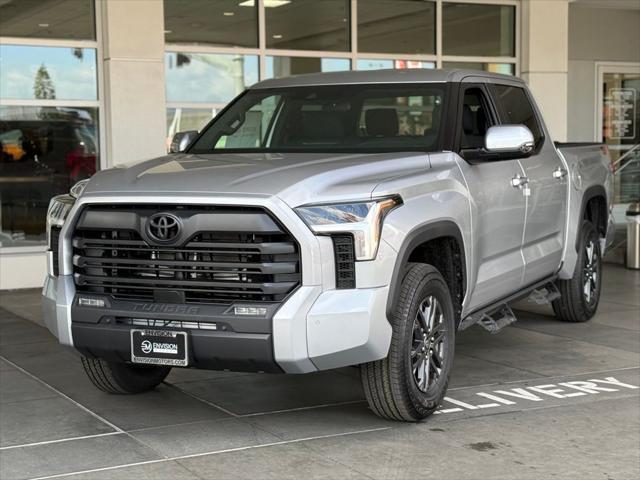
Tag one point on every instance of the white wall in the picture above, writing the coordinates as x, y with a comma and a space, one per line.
22, 270
544, 65
596, 34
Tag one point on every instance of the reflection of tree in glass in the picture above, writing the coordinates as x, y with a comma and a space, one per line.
43, 88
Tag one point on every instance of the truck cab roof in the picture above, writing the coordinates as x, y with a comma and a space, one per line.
412, 75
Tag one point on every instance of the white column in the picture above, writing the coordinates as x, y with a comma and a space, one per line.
545, 54
132, 36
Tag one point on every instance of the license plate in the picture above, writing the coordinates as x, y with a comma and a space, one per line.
159, 347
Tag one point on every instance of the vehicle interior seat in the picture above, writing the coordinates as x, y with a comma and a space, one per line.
474, 127
381, 122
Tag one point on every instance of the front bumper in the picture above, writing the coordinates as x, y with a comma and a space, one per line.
313, 330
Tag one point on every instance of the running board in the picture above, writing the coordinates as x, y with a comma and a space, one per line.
544, 295
497, 315
493, 321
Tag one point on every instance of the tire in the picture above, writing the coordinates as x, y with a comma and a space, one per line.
123, 378
580, 295
395, 389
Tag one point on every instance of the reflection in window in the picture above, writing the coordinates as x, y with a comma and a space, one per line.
213, 78
185, 119
44, 151
392, 26
66, 19
220, 22
504, 68
379, 64
492, 28
277, 67
47, 73
307, 24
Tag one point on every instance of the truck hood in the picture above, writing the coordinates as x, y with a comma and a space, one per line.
297, 178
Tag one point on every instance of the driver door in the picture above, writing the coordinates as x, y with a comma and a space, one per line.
498, 208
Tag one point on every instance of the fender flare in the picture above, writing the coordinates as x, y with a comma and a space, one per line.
590, 193
418, 236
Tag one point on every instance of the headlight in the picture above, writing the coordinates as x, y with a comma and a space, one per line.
78, 188
361, 219
59, 208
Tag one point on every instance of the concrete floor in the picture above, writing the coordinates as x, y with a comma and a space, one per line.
518, 407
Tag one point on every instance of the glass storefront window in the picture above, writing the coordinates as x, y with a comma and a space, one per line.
307, 24
44, 151
47, 73
277, 67
184, 119
478, 30
379, 63
397, 26
221, 22
204, 77
504, 68
64, 19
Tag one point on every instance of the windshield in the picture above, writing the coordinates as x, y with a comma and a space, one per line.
333, 118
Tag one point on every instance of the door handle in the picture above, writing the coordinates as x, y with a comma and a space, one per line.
519, 181
559, 173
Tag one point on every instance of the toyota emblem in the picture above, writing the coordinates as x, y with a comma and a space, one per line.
163, 227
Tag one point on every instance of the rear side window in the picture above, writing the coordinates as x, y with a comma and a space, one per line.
516, 109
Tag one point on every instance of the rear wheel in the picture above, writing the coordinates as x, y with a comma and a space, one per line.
411, 382
123, 378
580, 295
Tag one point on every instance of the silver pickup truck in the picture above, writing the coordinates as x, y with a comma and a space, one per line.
331, 220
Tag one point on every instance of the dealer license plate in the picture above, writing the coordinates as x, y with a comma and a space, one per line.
159, 347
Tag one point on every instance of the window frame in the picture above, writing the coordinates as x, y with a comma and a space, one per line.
502, 120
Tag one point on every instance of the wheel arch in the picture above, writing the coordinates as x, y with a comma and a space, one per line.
418, 246
593, 208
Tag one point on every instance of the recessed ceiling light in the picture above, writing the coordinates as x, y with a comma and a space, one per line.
43, 25
228, 14
267, 3
277, 36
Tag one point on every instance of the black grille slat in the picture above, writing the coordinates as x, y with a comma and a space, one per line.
55, 248
345, 258
208, 266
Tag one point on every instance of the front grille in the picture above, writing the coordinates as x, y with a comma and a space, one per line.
345, 261
228, 255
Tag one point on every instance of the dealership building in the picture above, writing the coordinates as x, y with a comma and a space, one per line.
89, 84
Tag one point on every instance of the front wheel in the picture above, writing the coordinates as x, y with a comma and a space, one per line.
411, 382
123, 378
580, 294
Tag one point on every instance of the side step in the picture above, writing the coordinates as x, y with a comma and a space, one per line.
544, 295
493, 321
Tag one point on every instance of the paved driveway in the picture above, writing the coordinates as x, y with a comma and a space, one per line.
542, 399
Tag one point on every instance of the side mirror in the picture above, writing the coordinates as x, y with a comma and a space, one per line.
509, 139
181, 141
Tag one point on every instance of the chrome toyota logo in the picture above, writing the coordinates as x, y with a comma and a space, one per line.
163, 227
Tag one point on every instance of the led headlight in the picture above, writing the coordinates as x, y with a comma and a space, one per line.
361, 219
78, 188
59, 208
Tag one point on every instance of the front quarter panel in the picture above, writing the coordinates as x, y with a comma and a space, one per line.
434, 198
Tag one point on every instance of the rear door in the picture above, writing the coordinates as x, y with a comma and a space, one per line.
498, 209
546, 195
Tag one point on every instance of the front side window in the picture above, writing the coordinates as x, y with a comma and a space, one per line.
476, 119
516, 109
336, 118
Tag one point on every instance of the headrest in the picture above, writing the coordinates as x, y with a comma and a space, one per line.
381, 122
467, 119
320, 125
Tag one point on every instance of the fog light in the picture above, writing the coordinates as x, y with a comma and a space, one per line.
250, 311
90, 302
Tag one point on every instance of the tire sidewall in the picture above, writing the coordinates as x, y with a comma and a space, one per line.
588, 232
431, 284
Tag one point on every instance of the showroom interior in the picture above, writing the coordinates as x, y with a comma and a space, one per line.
89, 84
